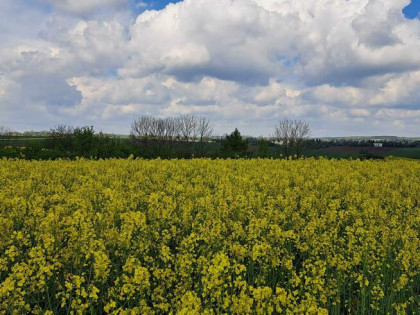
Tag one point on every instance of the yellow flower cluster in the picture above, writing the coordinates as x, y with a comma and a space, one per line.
201, 236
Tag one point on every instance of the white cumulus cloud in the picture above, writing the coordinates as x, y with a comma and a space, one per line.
346, 66
83, 7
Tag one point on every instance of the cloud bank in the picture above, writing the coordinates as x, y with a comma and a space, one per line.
348, 67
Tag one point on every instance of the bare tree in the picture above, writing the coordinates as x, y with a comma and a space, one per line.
205, 131
188, 128
5, 131
291, 135
60, 137
283, 135
167, 135
5, 135
141, 128
300, 134
146, 130
157, 135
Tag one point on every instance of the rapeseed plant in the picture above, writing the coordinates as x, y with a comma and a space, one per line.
204, 236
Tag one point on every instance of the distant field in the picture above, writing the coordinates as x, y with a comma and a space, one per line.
14, 139
345, 152
412, 153
329, 154
23, 141
358, 150
29, 138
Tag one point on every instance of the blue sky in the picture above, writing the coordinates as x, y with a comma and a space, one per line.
412, 10
160, 4
350, 68
139, 6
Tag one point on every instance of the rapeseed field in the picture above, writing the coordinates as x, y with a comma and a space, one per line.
209, 236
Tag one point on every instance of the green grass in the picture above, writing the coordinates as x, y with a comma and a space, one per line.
28, 138
411, 153
329, 154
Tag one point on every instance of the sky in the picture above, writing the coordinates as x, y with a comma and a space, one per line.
348, 67
154, 5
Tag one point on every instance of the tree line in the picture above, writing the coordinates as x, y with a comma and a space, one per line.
184, 136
